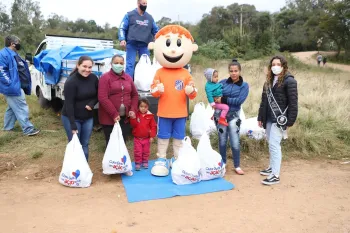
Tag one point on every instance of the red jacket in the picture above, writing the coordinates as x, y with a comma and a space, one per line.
112, 90
144, 126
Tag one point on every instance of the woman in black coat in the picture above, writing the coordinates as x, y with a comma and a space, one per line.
278, 111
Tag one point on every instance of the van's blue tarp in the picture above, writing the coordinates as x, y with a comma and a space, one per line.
49, 61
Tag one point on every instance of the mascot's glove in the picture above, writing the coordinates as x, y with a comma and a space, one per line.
189, 89
159, 87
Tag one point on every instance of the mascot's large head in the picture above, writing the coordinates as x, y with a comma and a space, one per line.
173, 47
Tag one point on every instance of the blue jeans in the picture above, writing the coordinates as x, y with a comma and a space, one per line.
274, 137
231, 131
84, 132
131, 50
17, 109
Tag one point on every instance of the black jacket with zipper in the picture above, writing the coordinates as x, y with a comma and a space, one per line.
285, 94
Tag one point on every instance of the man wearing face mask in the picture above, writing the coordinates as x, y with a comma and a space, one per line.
15, 82
135, 32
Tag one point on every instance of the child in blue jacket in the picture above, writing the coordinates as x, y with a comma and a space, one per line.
213, 89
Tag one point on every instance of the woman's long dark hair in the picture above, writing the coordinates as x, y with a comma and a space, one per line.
270, 75
80, 61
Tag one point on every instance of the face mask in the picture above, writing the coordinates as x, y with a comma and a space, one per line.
276, 69
18, 46
143, 8
118, 68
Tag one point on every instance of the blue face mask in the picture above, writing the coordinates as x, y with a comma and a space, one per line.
117, 68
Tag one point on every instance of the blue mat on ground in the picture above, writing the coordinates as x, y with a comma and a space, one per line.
143, 186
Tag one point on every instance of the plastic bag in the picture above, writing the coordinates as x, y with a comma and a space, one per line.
116, 159
210, 112
186, 169
156, 65
75, 171
144, 73
250, 128
199, 123
212, 166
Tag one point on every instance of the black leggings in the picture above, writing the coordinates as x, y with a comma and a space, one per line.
126, 130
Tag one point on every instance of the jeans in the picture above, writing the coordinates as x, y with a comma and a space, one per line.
274, 138
131, 50
17, 109
141, 150
84, 132
231, 131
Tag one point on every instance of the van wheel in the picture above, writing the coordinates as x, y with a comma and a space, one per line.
44, 103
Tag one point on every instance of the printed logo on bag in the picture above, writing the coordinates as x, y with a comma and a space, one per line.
72, 179
179, 85
215, 171
119, 165
191, 177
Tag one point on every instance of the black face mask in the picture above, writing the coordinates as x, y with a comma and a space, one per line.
18, 46
143, 7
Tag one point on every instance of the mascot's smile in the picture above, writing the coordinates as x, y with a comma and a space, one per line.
172, 59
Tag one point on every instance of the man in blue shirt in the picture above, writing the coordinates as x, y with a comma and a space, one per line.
15, 82
135, 32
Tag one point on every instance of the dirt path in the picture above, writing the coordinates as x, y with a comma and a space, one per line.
306, 57
313, 197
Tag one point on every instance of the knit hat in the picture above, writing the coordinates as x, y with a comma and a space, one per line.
208, 73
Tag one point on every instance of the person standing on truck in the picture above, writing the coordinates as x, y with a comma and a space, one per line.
80, 94
136, 30
15, 83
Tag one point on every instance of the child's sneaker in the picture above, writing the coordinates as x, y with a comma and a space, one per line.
137, 167
222, 121
145, 165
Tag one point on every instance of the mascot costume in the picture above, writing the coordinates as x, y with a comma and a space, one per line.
173, 49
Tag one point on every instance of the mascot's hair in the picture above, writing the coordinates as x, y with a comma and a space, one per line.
175, 29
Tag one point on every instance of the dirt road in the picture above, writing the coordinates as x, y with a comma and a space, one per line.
306, 57
312, 197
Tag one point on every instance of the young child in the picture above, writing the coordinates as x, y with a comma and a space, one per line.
144, 130
213, 89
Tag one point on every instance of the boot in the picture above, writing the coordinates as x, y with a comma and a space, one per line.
222, 121
176, 147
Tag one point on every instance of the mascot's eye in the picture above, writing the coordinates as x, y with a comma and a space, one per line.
168, 42
178, 42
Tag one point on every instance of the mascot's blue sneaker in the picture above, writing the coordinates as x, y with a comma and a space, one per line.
160, 167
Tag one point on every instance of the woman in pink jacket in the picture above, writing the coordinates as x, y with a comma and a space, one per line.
118, 98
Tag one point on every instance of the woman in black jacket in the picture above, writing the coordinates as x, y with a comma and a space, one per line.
278, 111
80, 93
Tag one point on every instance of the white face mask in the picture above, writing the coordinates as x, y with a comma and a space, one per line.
276, 69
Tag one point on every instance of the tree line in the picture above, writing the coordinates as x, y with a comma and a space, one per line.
237, 30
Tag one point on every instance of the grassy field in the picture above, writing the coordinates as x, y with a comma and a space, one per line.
322, 129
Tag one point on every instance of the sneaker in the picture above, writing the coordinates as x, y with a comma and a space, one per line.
33, 132
145, 165
129, 173
160, 167
266, 172
239, 171
137, 167
272, 179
